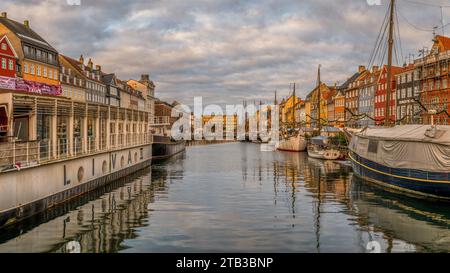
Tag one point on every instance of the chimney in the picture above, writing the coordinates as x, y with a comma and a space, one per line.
90, 64
98, 67
145, 78
375, 68
361, 68
26, 23
81, 59
4, 15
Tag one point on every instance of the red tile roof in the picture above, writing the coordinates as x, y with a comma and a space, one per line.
444, 41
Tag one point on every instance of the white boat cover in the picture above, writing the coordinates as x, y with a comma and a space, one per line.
418, 147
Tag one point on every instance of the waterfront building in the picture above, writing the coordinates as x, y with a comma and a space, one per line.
229, 122
130, 97
407, 89
300, 112
381, 96
329, 100
95, 88
366, 97
8, 62
164, 119
308, 112
72, 80
352, 96
287, 110
147, 89
37, 62
112, 91
339, 108
433, 74
313, 98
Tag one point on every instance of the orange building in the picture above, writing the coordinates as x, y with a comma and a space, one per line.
37, 59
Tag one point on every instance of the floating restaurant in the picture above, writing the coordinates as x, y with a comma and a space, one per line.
66, 128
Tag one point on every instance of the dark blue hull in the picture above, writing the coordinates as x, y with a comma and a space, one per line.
429, 184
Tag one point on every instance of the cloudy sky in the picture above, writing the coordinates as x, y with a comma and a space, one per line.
226, 50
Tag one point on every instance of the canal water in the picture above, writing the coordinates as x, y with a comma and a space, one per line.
235, 198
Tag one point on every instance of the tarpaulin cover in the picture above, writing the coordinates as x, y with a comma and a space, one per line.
407, 147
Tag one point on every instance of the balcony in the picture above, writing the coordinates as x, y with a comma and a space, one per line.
17, 155
160, 121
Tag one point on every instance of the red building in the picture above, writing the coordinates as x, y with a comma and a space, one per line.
8, 58
432, 71
381, 96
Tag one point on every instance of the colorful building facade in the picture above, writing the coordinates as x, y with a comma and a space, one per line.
380, 111
433, 74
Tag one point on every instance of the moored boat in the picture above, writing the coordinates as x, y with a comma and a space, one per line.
321, 148
411, 158
293, 143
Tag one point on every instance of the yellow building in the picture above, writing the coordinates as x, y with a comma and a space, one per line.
38, 60
72, 80
230, 123
313, 106
307, 112
287, 111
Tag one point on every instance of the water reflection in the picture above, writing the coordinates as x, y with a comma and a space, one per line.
234, 198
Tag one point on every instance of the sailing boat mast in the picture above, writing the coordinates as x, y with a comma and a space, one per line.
318, 100
389, 66
293, 106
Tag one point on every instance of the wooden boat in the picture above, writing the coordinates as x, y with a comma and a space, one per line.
320, 148
293, 143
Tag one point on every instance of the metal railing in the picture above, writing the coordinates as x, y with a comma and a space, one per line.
160, 120
16, 155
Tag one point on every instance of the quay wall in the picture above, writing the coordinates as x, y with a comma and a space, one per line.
34, 189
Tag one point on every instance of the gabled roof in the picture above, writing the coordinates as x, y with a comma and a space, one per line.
77, 65
443, 41
9, 45
395, 70
109, 78
26, 34
407, 68
349, 80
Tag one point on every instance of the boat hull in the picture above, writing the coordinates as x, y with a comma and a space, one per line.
324, 154
293, 144
161, 151
32, 190
415, 182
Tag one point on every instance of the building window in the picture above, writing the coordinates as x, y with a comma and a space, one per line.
32, 69
3, 46
50, 73
38, 70
11, 65
55, 75
25, 68
3, 63
45, 71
